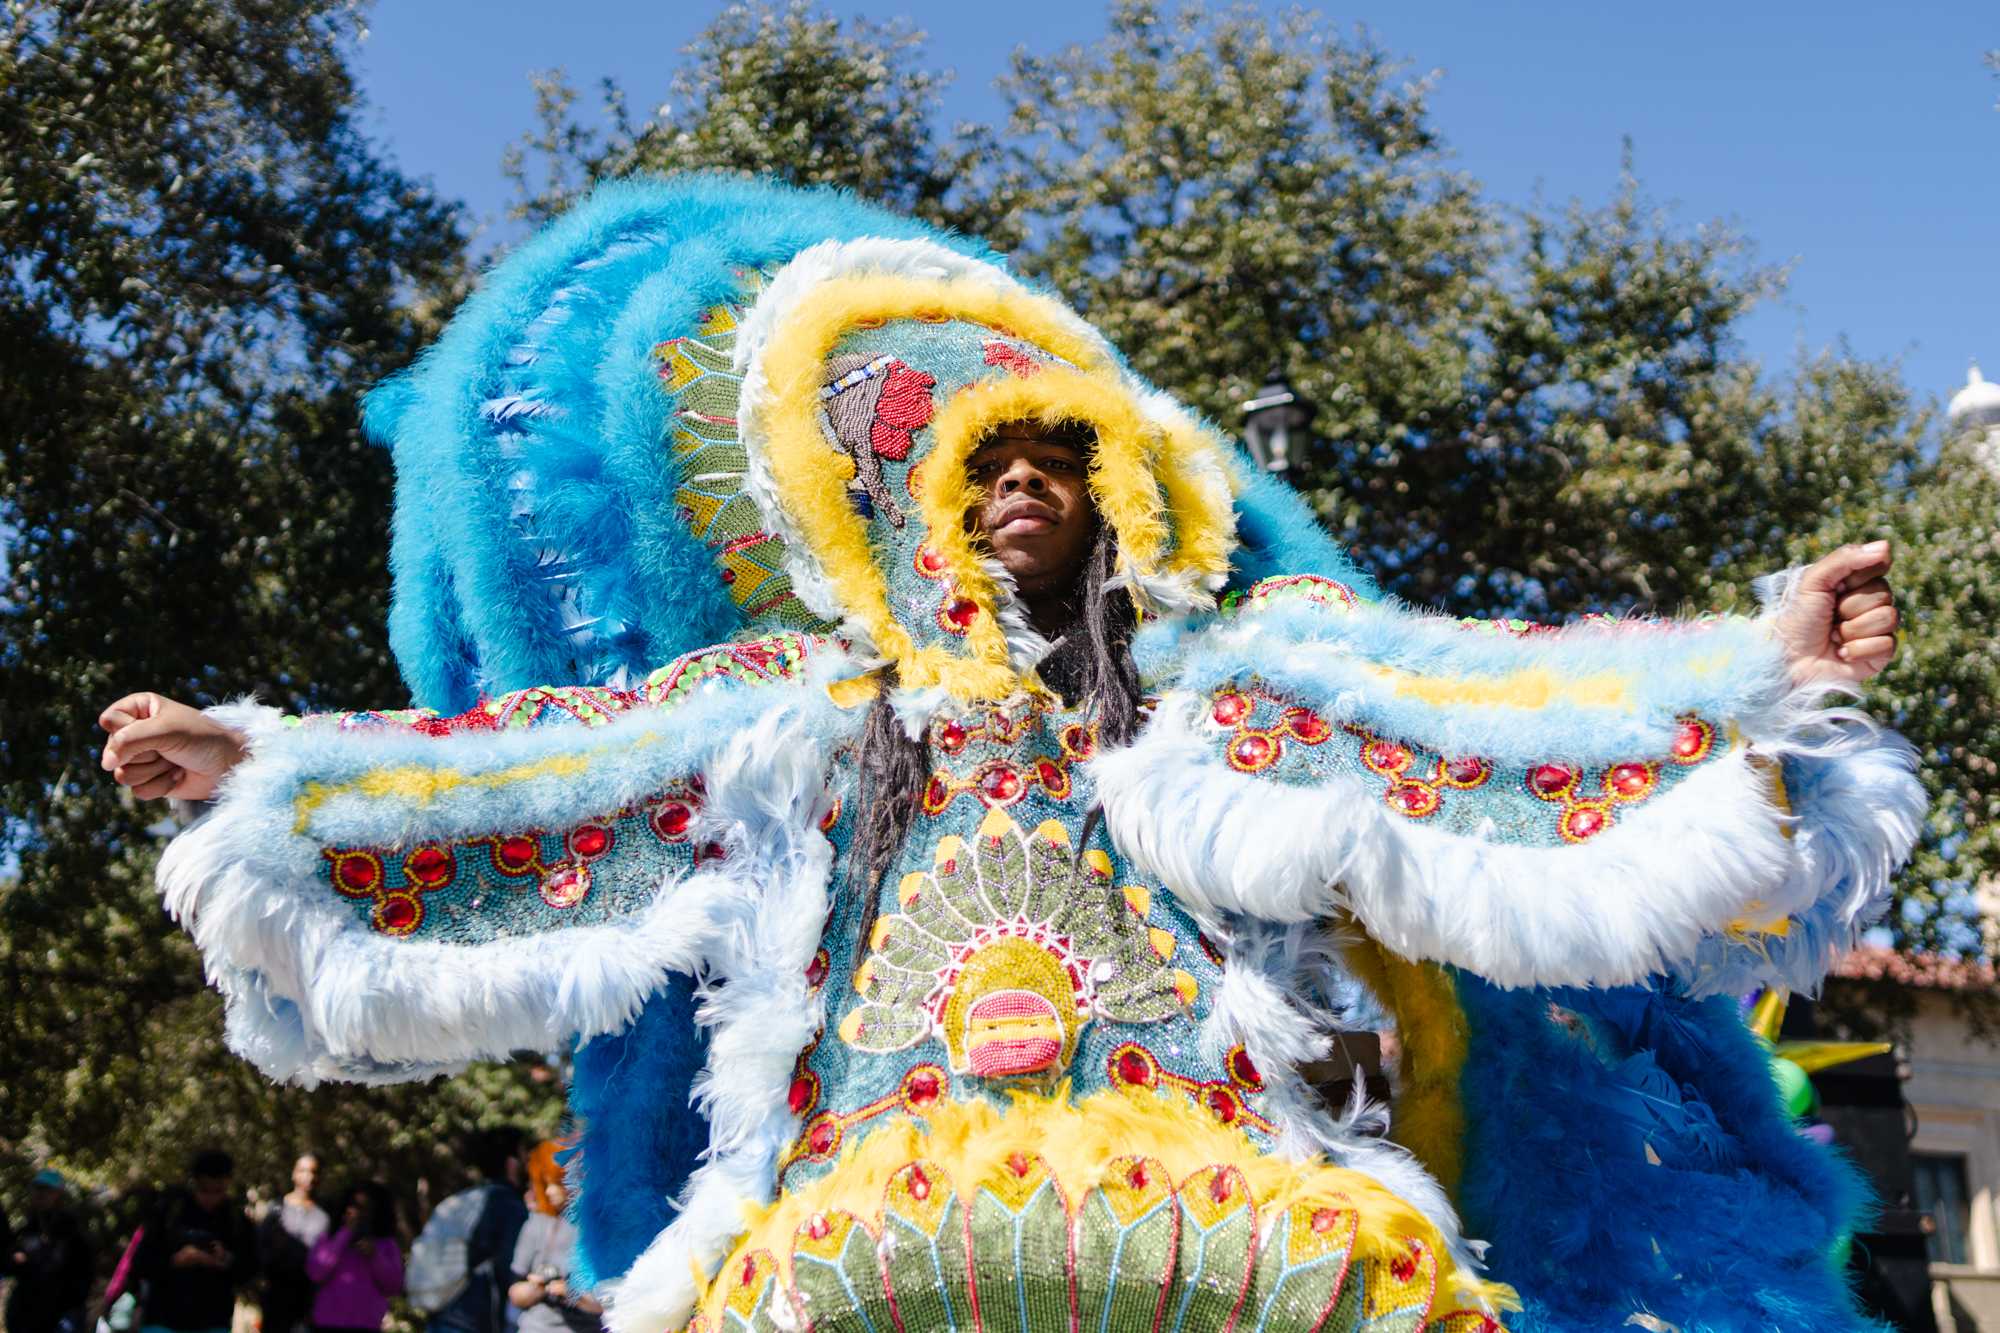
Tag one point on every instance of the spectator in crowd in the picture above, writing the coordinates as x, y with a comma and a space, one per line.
285, 1238
51, 1262
489, 1252
542, 1257
198, 1251
544, 1170
359, 1266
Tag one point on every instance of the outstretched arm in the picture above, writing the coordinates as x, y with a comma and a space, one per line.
383, 896
1592, 804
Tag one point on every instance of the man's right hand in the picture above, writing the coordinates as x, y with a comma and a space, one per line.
161, 748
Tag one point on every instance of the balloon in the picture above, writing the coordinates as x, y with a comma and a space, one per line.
1795, 1090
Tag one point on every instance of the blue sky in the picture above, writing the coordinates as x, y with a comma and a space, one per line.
1854, 143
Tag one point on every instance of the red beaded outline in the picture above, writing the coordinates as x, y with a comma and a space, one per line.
1223, 1100
921, 1087
1410, 795
998, 783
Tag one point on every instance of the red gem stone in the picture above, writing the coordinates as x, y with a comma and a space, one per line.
1223, 1103
802, 1094
1307, 725
359, 872
517, 852
567, 886
398, 913
1628, 780
929, 562
749, 1270
920, 1184
1412, 799
1137, 1177
816, 970
1017, 1162
1244, 1069
710, 851
922, 1087
1252, 751
937, 794
429, 866
1000, 785
671, 820
1051, 776
1465, 772
1388, 757
590, 840
822, 1136
1323, 1219
1583, 822
962, 613
1135, 1069
951, 737
1551, 780
818, 1227
1218, 1184
1405, 1268
949, 867
1690, 739
1230, 709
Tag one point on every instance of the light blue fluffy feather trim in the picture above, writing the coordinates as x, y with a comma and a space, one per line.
536, 536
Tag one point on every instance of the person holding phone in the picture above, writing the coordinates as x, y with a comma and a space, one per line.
358, 1266
198, 1251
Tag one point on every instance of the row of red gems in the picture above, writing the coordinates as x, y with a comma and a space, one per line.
1584, 817
1250, 750
920, 1089
998, 784
359, 872
1133, 1066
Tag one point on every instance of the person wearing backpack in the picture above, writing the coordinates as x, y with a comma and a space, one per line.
462, 1265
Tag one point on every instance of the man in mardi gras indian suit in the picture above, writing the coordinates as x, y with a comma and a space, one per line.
945, 796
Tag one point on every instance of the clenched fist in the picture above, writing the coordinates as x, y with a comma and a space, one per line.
162, 748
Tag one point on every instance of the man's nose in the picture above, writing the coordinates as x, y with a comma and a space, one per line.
1022, 475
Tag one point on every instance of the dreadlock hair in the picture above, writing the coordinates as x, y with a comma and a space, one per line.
1091, 661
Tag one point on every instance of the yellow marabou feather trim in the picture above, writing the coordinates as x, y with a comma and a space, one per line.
1432, 1037
1139, 473
1079, 1143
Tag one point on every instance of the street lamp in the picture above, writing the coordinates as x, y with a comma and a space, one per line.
1275, 421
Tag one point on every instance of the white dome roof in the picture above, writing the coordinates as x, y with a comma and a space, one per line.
1976, 406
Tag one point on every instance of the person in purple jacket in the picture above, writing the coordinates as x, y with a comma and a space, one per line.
358, 1266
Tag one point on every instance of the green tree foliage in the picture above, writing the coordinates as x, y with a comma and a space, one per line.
781, 92
204, 265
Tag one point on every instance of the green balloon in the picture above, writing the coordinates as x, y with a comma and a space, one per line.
1795, 1090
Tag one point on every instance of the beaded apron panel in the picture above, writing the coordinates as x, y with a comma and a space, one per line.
1003, 960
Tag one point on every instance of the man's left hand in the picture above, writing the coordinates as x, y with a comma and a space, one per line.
1840, 621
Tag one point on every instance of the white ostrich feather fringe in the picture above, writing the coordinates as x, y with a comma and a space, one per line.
1630, 904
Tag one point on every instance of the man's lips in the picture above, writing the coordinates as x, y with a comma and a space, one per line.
1024, 516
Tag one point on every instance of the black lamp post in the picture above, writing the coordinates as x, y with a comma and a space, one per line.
1275, 421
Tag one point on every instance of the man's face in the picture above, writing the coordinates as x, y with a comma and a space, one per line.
1034, 506
211, 1192
305, 1174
